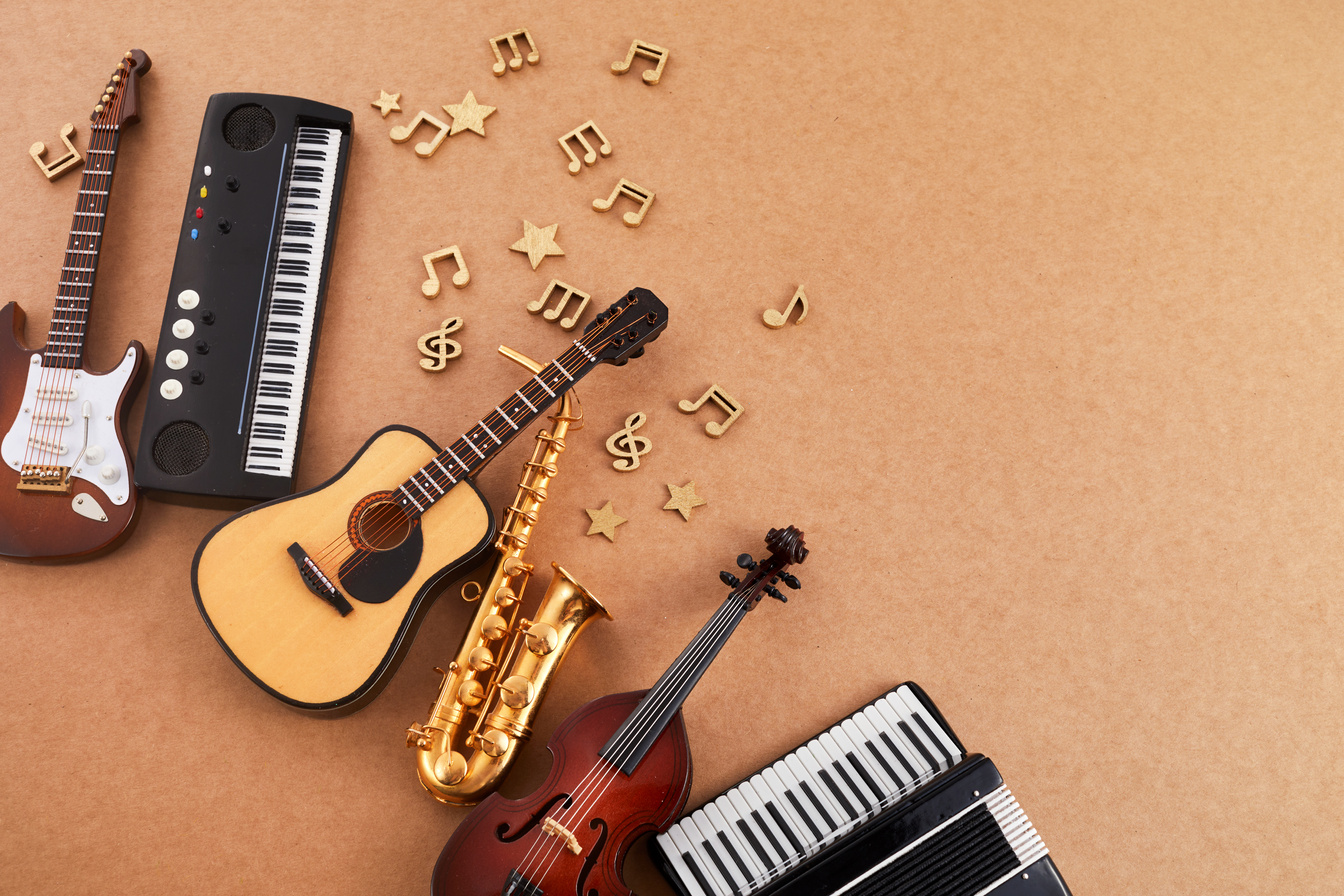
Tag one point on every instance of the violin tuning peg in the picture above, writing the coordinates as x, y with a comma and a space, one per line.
729, 579
776, 594
791, 580
746, 562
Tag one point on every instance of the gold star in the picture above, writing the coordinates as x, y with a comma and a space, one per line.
683, 499
387, 102
537, 242
469, 115
604, 521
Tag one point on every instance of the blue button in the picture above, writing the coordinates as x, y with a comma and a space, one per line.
194, 233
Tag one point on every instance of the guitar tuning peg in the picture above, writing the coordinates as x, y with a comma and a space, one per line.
746, 562
637, 352
791, 580
776, 594
729, 579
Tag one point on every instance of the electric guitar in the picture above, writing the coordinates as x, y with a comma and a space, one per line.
316, 596
65, 475
621, 769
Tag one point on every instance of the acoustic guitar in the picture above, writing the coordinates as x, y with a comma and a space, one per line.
621, 769
65, 480
316, 596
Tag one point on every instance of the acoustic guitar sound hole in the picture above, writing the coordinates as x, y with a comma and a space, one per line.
378, 524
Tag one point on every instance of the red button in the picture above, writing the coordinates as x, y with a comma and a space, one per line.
200, 213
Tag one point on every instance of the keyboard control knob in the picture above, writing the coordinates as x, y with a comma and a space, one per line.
183, 328
202, 347
197, 377
207, 317
171, 389
177, 359
109, 474
231, 183
188, 299
224, 225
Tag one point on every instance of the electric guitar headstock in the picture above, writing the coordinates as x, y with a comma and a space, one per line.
624, 330
120, 103
786, 548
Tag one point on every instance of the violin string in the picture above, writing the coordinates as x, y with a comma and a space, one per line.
722, 619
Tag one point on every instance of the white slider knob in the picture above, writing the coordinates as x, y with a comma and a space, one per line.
109, 474
177, 359
182, 328
188, 299
94, 454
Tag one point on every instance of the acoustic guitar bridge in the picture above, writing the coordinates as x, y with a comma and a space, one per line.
46, 478
317, 581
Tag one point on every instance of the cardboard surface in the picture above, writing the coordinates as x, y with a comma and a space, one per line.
1061, 427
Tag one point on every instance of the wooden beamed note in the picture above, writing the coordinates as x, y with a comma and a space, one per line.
726, 403
56, 167
461, 277
589, 154
552, 313
402, 133
647, 51
533, 56
632, 190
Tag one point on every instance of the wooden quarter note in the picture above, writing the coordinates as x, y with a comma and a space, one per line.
430, 288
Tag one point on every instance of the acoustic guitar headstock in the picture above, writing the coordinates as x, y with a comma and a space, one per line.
624, 330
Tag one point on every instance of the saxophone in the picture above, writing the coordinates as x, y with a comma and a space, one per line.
491, 690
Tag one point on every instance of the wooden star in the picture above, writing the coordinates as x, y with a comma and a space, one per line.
537, 242
605, 521
469, 115
683, 499
387, 102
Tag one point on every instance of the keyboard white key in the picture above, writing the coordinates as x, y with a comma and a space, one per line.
287, 333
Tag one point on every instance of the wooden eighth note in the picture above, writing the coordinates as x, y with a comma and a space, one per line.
533, 56
646, 51
634, 191
552, 313
56, 167
775, 319
430, 288
726, 402
589, 154
438, 347
401, 133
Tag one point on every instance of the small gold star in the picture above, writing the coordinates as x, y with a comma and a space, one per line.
469, 115
604, 521
387, 102
683, 499
537, 242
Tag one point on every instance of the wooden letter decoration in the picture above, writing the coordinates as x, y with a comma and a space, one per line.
533, 56
775, 319
430, 288
552, 313
589, 154
628, 447
56, 167
647, 51
402, 133
438, 347
634, 191
721, 398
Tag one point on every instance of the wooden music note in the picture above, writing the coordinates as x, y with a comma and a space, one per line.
721, 398
402, 133
56, 167
430, 288
552, 313
589, 154
516, 62
438, 347
647, 51
634, 191
628, 447
775, 319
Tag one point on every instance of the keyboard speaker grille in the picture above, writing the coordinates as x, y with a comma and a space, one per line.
249, 127
181, 448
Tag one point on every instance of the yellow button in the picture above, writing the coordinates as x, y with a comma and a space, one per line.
202, 192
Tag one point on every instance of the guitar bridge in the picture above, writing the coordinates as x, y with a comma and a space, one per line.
317, 580
45, 479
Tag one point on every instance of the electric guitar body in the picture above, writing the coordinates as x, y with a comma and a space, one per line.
66, 486
492, 836
291, 642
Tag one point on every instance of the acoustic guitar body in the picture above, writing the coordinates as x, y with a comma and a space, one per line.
292, 643
502, 837
48, 525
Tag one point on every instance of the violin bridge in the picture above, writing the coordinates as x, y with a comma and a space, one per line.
45, 478
556, 829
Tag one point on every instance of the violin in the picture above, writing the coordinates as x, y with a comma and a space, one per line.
621, 768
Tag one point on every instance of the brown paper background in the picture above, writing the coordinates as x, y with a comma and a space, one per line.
1061, 427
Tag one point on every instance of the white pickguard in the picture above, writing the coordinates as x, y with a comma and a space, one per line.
112, 472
